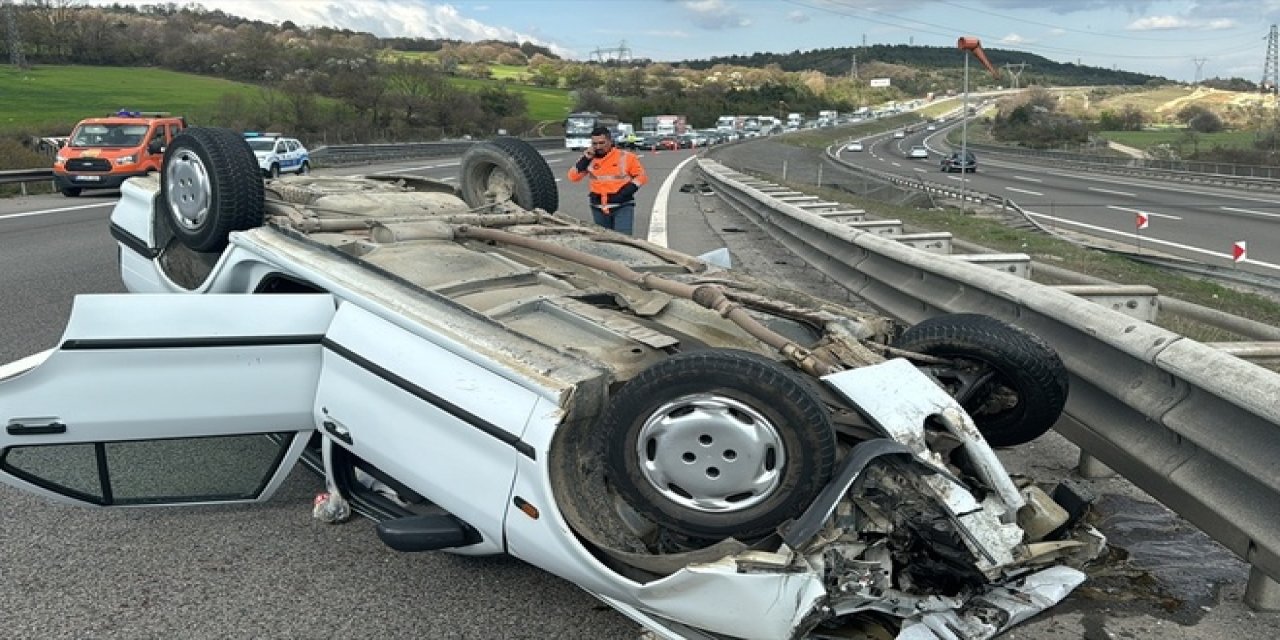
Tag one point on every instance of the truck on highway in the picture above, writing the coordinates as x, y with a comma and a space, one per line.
578, 126
670, 125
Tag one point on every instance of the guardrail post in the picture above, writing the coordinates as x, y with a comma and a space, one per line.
1091, 467
1262, 593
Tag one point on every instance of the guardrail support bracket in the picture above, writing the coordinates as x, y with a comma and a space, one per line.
1262, 593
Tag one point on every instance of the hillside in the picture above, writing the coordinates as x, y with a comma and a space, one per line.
945, 62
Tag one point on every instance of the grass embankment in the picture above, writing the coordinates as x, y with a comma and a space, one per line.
993, 233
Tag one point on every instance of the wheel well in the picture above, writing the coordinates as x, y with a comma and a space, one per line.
283, 283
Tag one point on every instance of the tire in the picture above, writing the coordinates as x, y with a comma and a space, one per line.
70, 192
305, 169
719, 443
274, 172
505, 169
1028, 383
210, 185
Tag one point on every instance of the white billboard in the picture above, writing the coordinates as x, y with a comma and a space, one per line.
879, 82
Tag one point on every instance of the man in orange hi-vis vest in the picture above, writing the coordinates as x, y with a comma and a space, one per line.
615, 176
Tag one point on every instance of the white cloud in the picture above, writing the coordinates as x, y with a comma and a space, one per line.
715, 14
798, 17
1168, 23
1158, 23
1013, 38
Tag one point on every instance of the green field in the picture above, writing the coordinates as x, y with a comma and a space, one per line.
1147, 139
544, 103
51, 99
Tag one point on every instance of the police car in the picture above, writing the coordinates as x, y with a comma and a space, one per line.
277, 155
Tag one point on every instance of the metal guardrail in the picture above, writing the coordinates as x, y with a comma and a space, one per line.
1194, 426
345, 155
25, 175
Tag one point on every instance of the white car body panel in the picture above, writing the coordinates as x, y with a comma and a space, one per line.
423, 420
140, 367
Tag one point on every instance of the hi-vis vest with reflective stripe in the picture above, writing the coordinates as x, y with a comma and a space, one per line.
611, 173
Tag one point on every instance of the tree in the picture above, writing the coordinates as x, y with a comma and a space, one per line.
1200, 118
1130, 118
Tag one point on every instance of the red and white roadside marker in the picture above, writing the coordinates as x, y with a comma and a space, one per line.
1239, 251
1143, 221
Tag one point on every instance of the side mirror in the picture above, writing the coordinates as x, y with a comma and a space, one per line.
156, 146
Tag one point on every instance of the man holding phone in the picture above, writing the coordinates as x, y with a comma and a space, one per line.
615, 176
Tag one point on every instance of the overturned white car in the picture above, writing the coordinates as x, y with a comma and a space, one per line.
713, 456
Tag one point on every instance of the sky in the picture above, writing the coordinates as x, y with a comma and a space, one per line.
1182, 40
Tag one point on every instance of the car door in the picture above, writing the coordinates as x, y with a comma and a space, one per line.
166, 399
295, 158
428, 411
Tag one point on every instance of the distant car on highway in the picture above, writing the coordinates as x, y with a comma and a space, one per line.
931, 128
899, 134
856, 145
918, 152
960, 162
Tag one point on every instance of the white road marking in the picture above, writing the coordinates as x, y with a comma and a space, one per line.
1025, 178
1112, 191
1251, 211
921, 170
658, 216
1144, 211
1148, 240
1026, 191
41, 212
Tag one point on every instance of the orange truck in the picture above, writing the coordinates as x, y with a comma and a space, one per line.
104, 152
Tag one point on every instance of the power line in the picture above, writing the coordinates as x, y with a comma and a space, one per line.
1015, 74
1199, 67
620, 53
1269, 68
16, 57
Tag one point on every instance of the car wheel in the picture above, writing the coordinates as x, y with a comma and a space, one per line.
274, 172
210, 186
70, 192
1010, 381
305, 169
505, 169
712, 444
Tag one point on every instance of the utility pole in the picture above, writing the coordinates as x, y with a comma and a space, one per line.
16, 57
853, 70
1199, 67
1015, 71
1269, 69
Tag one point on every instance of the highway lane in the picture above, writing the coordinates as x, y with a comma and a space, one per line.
1196, 222
264, 571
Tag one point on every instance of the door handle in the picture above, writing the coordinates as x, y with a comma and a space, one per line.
338, 431
35, 429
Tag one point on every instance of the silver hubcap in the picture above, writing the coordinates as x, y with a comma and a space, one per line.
189, 192
711, 453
